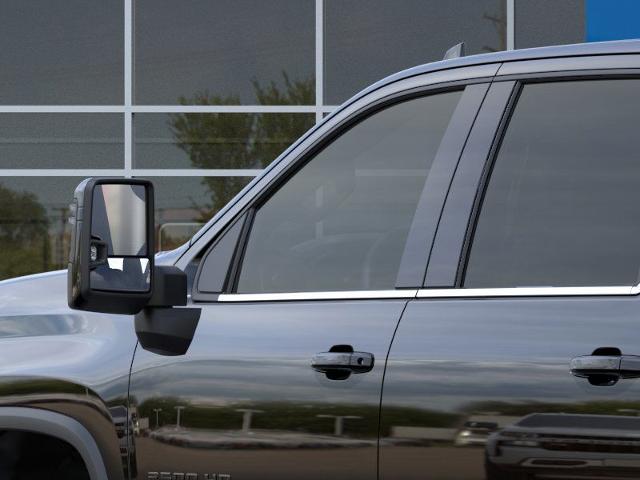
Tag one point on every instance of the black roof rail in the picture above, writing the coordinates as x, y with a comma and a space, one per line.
456, 51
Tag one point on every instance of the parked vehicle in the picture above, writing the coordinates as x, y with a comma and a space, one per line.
567, 446
460, 237
474, 433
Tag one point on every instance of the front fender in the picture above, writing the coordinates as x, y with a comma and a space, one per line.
58, 426
69, 362
68, 411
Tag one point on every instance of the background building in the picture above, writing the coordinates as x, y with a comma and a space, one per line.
200, 95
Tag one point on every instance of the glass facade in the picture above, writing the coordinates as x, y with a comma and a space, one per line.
366, 40
224, 51
200, 95
62, 52
549, 22
61, 140
215, 140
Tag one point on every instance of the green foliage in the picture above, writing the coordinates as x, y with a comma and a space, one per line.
23, 234
240, 140
300, 92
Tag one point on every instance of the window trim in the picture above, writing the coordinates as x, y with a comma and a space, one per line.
528, 292
434, 293
199, 295
319, 295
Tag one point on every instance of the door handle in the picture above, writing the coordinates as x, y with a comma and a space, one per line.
605, 366
342, 358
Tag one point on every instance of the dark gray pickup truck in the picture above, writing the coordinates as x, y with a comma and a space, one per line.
439, 281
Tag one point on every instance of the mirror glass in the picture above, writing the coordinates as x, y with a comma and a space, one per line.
124, 274
118, 218
119, 225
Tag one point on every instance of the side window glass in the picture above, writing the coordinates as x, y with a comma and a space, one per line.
217, 260
341, 222
561, 206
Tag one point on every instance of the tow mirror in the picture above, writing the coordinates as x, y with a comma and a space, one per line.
111, 267
112, 246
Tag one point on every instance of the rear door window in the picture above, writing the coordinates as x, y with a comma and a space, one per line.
562, 205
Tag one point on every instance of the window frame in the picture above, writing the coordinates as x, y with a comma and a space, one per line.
446, 269
256, 193
244, 222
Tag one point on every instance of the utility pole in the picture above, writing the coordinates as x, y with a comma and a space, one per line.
247, 415
157, 410
178, 410
338, 425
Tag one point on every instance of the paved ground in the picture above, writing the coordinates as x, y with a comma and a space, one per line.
432, 463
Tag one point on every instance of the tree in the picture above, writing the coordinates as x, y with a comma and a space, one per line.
239, 140
24, 236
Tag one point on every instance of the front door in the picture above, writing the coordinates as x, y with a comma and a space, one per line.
523, 367
299, 305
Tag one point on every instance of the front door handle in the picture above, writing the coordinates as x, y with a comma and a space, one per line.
342, 358
606, 366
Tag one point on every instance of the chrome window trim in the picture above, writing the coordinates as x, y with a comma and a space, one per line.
434, 293
344, 295
526, 292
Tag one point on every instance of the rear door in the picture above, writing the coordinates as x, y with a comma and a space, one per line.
516, 361
304, 277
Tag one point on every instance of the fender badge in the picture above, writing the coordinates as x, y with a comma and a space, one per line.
187, 476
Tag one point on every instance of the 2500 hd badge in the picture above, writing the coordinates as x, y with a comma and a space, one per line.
187, 476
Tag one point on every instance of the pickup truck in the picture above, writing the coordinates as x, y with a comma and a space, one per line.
456, 246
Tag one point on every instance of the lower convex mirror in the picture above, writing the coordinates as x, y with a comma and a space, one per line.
112, 246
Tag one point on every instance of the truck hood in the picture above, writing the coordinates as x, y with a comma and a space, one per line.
44, 292
41, 337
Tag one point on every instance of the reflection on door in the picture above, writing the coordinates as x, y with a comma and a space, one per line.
245, 401
481, 389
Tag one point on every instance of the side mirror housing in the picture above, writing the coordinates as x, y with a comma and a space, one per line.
111, 263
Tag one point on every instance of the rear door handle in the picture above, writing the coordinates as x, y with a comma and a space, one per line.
602, 369
351, 362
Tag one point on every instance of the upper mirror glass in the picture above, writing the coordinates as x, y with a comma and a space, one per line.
119, 219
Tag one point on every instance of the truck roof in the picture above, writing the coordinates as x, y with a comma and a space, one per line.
617, 47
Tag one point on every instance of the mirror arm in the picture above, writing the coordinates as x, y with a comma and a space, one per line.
165, 330
169, 287
160, 328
